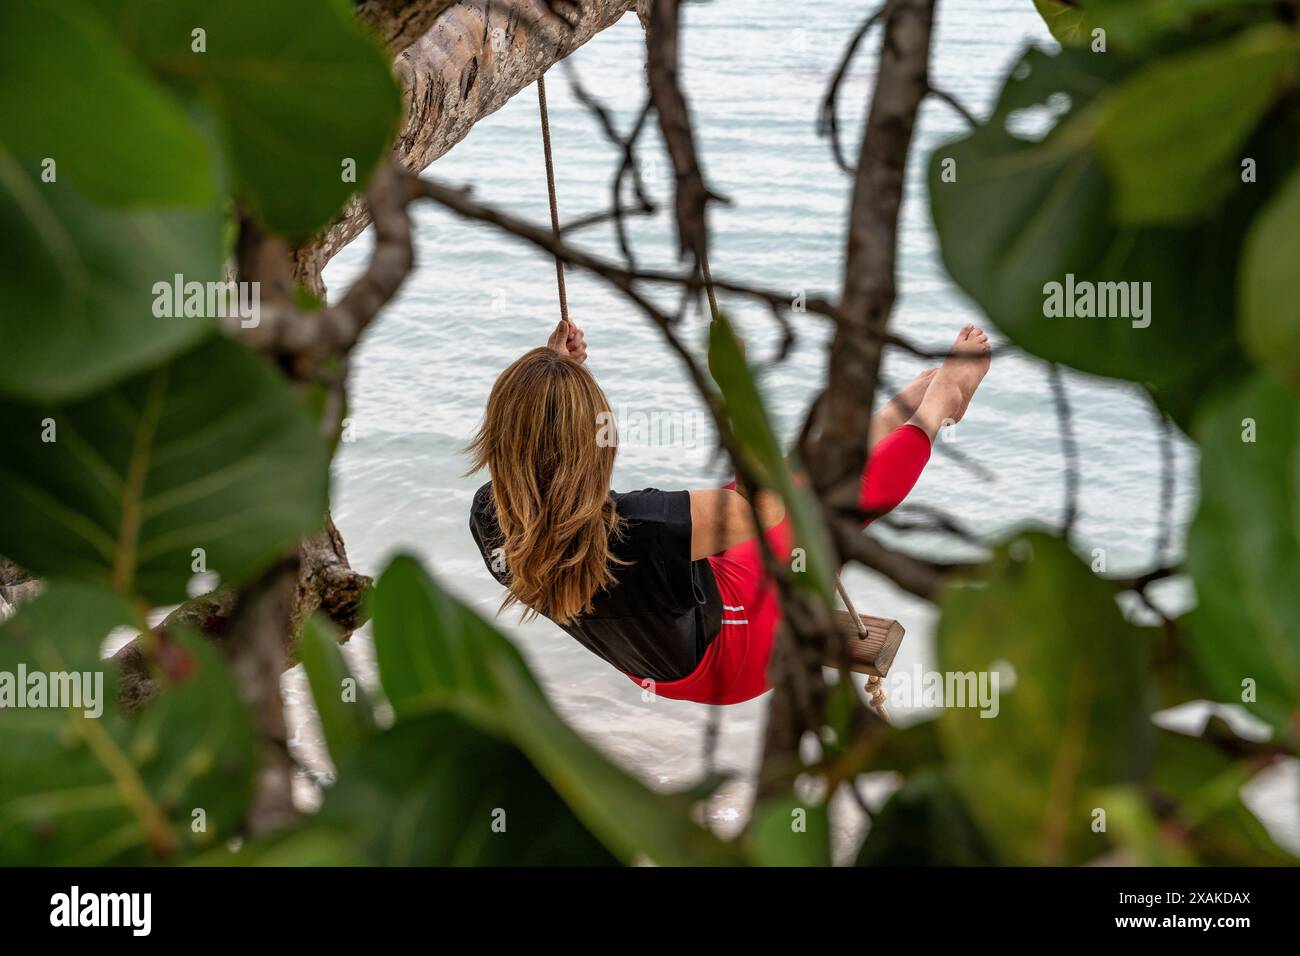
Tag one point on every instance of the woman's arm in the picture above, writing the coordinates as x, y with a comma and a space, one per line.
722, 518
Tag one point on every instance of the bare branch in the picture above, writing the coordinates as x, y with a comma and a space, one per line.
1065, 427
828, 123
303, 340
675, 124
945, 97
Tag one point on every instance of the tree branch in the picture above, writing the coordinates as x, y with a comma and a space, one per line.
466, 66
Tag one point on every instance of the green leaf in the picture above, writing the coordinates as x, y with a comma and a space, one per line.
1067, 20
78, 283
790, 832
437, 791
907, 749
1024, 219
1209, 814
1176, 162
308, 844
1269, 320
81, 790
1147, 26
211, 452
1076, 719
301, 88
345, 714
127, 143
1132, 827
753, 432
1244, 548
926, 823
435, 654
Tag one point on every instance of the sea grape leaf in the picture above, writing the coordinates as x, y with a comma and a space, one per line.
435, 654
1076, 718
435, 790
208, 458
71, 94
1024, 221
926, 823
346, 717
1243, 551
78, 281
1177, 162
1269, 319
306, 97
79, 789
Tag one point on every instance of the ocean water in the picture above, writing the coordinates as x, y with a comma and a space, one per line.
479, 298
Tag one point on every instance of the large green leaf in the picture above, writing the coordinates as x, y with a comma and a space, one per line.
787, 831
300, 87
1212, 97
346, 717
436, 654
90, 790
1146, 25
1077, 718
926, 823
1244, 551
69, 92
436, 791
748, 420
211, 451
1203, 788
77, 280
1024, 214
1269, 320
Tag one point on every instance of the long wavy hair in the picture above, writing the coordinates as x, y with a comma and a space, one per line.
546, 439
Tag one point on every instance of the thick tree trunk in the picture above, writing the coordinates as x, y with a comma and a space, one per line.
475, 57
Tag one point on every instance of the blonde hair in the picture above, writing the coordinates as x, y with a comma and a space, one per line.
550, 483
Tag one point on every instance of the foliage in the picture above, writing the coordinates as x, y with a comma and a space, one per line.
116, 788
1168, 158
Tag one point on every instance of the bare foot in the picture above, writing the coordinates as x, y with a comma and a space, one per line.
909, 399
952, 387
900, 408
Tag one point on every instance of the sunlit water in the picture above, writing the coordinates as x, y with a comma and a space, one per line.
479, 298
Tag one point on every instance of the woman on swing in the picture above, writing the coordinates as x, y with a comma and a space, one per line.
667, 586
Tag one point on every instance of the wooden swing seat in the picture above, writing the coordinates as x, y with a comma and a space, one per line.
872, 645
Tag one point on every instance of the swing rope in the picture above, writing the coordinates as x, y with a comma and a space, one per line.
874, 687
550, 191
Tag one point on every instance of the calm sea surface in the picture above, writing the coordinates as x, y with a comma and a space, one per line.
478, 299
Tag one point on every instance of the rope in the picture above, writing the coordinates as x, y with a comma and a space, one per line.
875, 688
550, 191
